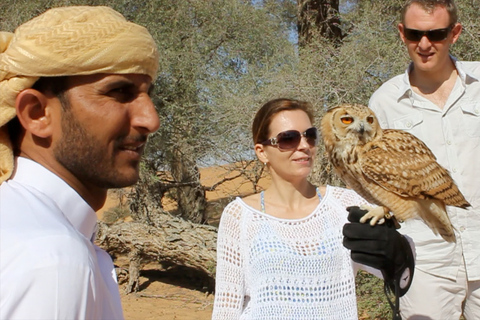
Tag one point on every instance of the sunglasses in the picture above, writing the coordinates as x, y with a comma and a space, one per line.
291, 139
432, 35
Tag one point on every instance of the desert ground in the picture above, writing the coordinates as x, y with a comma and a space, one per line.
166, 296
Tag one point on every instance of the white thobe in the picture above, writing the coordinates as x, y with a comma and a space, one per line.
49, 266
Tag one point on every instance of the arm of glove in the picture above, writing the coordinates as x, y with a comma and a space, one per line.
382, 247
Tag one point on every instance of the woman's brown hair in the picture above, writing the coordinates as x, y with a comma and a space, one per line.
264, 116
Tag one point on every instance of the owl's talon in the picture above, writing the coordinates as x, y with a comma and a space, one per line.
376, 220
376, 214
366, 217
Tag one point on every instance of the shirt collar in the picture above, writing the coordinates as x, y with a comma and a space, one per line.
405, 89
76, 210
466, 76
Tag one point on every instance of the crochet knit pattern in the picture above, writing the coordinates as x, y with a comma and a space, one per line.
271, 268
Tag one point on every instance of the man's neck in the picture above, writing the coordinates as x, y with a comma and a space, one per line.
434, 86
93, 195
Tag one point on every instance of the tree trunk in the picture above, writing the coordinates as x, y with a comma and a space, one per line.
175, 242
146, 198
191, 198
318, 17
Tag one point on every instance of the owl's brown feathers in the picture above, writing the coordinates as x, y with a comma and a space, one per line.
391, 168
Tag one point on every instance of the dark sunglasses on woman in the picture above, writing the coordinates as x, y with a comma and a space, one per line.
287, 140
432, 35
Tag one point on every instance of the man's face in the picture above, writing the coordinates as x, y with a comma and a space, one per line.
104, 128
427, 55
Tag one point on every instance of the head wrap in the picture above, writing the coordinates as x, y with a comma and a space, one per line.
66, 41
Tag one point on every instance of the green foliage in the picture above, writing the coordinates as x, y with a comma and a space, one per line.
215, 55
371, 300
15, 12
467, 46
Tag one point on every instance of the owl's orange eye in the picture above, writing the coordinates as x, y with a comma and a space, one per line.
346, 119
370, 120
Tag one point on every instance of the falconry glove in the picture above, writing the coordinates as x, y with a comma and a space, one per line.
382, 247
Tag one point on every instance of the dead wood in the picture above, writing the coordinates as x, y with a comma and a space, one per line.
172, 242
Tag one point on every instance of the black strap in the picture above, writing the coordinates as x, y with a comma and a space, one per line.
395, 306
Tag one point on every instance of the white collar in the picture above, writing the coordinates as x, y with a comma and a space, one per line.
405, 89
76, 210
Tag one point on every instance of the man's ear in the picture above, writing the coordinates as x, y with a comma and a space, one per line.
400, 28
456, 31
34, 112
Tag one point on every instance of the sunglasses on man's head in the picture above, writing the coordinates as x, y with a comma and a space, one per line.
291, 139
432, 35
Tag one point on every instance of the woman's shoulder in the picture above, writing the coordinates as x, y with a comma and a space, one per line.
252, 200
345, 195
334, 190
236, 211
239, 205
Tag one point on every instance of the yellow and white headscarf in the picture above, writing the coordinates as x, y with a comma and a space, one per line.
77, 40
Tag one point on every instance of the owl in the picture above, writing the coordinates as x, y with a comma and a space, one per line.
390, 168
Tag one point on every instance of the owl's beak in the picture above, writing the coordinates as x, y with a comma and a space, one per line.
361, 130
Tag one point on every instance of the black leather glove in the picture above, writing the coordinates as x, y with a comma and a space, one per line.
381, 247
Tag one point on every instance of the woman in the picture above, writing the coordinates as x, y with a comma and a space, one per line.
280, 253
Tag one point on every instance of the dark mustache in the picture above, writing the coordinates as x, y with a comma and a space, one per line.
131, 139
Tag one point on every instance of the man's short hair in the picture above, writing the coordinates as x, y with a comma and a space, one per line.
54, 85
429, 6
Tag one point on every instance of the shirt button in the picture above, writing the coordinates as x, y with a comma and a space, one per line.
408, 124
449, 142
454, 170
462, 228
475, 110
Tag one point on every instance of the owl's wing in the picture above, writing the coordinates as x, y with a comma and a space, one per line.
403, 164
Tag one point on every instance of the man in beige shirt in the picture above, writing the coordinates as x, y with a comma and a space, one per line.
438, 100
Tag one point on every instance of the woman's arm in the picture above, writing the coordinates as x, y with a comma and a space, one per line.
229, 287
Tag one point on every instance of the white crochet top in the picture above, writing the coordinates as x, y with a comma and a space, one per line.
272, 268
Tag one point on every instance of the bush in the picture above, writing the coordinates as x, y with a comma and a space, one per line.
371, 300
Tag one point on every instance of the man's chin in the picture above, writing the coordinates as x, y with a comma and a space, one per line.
425, 61
126, 181
122, 180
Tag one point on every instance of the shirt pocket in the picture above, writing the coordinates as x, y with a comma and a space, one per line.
471, 118
410, 123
